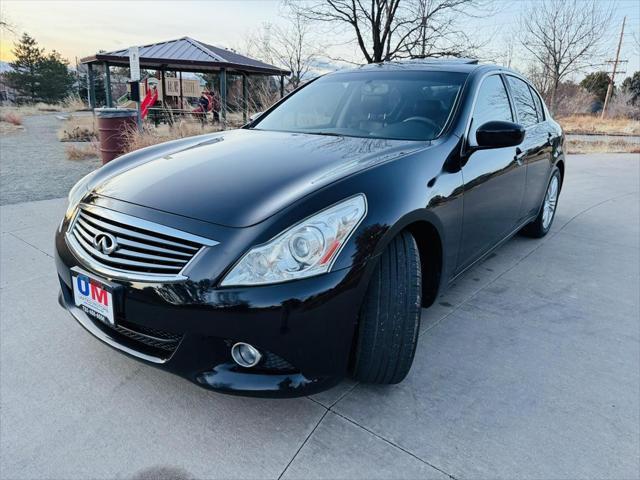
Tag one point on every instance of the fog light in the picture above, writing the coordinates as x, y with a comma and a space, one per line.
245, 355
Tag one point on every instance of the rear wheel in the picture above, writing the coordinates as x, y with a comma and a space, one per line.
390, 315
542, 224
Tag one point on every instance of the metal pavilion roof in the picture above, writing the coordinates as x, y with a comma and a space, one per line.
187, 54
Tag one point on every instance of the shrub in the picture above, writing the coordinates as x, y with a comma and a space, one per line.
74, 103
11, 117
82, 152
621, 106
78, 134
47, 107
78, 128
571, 99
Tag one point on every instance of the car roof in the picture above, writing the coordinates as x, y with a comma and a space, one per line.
462, 65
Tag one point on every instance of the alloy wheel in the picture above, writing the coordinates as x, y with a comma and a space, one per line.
550, 202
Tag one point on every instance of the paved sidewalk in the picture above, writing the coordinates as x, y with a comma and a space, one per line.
529, 367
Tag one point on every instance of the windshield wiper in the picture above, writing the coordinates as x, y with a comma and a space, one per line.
328, 134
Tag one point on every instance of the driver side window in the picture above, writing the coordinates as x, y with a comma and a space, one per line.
319, 107
492, 103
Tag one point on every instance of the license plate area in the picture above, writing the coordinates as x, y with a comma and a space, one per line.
94, 296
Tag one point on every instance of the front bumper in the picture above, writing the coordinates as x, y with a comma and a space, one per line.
304, 328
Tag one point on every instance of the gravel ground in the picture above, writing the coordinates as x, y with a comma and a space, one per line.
33, 164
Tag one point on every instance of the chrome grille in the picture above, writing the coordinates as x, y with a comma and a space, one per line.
144, 251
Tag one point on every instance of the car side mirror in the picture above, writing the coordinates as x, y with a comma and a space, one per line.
499, 134
254, 117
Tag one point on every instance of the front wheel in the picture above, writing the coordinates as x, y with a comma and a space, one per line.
389, 320
542, 224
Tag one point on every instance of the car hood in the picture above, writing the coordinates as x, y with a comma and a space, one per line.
240, 177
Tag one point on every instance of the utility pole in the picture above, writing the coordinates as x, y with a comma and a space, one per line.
613, 74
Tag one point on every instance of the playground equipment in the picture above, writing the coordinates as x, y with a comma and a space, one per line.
150, 99
180, 94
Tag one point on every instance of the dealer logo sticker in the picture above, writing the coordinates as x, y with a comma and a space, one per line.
93, 297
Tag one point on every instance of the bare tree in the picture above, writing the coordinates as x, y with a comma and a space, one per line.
563, 36
290, 46
388, 29
439, 32
541, 78
5, 24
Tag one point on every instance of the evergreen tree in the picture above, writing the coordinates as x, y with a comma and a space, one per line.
597, 84
632, 85
25, 76
98, 83
55, 78
36, 75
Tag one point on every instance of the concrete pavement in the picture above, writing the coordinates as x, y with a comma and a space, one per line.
528, 367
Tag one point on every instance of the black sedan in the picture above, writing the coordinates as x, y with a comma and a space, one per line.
277, 258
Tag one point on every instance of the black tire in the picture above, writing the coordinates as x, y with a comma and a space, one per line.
389, 320
537, 228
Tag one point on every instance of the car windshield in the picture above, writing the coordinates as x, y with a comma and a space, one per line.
392, 105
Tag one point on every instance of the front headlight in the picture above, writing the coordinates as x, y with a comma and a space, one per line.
306, 249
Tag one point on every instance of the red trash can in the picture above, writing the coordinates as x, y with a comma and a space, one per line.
113, 123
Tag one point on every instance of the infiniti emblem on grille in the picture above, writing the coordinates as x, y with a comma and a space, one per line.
105, 242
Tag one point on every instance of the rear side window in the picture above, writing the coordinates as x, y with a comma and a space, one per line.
539, 107
525, 105
492, 103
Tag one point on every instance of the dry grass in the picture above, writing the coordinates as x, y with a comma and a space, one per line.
82, 152
73, 103
589, 124
152, 136
7, 128
78, 128
613, 146
10, 122
70, 104
11, 117
32, 109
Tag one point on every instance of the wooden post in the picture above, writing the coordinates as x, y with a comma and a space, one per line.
223, 96
164, 88
181, 100
107, 85
245, 102
281, 86
91, 87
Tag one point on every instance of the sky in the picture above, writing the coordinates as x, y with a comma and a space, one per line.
79, 28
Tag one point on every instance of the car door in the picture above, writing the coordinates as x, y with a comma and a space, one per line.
494, 179
536, 149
